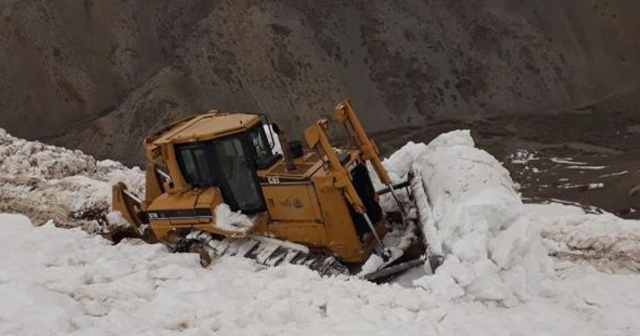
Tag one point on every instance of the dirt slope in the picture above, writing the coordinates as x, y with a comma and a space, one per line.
98, 74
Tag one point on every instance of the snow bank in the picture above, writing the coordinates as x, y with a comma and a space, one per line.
52, 183
66, 282
604, 241
493, 249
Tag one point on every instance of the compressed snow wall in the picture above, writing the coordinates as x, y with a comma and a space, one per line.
47, 182
492, 248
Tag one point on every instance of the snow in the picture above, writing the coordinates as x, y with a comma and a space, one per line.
372, 264
604, 241
587, 186
510, 268
522, 156
230, 220
553, 210
52, 183
624, 172
116, 219
66, 282
586, 167
567, 161
492, 247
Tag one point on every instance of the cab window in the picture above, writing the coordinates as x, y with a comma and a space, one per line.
195, 166
264, 156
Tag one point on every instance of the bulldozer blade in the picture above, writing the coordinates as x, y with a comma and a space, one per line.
425, 222
384, 274
129, 206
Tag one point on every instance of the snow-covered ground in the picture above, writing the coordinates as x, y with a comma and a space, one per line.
510, 268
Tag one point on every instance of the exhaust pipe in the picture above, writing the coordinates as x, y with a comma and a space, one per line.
286, 150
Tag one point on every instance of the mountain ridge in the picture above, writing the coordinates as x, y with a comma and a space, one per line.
101, 75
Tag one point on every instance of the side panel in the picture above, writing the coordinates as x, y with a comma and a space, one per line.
342, 238
170, 211
173, 213
292, 202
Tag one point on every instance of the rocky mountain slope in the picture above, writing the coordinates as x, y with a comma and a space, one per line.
98, 75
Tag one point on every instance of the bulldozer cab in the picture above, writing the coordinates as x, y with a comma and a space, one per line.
227, 159
229, 163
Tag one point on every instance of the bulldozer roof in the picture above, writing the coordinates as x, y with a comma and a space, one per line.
207, 126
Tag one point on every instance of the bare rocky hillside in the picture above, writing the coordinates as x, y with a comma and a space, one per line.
100, 74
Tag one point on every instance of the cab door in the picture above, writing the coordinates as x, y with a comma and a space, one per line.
239, 182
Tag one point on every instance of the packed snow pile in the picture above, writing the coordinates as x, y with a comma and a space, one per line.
492, 247
52, 183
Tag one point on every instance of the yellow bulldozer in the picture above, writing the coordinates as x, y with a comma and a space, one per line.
215, 186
